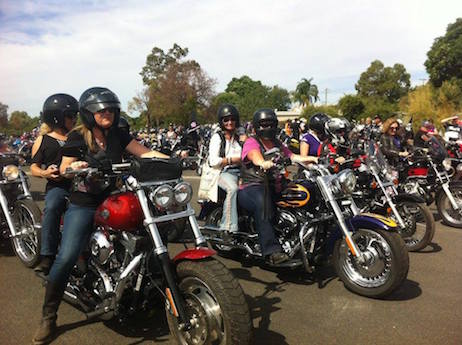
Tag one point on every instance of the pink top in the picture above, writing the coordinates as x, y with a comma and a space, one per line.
252, 144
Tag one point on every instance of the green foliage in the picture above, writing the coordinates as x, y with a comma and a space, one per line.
3, 115
444, 60
379, 106
351, 106
20, 122
331, 110
388, 83
248, 95
306, 92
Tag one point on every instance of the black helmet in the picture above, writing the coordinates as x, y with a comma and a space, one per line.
124, 125
317, 122
56, 107
95, 99
226, 110
265, 123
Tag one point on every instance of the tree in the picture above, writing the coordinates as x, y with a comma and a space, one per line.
351, 106
306, 92
444, 60
279, 98
21, 122
389, 83
3, 115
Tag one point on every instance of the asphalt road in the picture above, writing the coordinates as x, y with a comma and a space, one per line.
286, 307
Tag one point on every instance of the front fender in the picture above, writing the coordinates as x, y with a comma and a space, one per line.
194, 254
409, 197
372, 221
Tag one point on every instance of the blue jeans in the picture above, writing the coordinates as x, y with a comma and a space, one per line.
78, 224
55, 205
228, 182
252, 198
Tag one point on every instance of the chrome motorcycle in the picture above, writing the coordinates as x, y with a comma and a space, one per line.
20, 217
316, 219
127, 267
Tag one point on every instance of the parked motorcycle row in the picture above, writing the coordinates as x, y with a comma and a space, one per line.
361, 216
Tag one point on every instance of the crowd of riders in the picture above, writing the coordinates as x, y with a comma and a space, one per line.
236, 148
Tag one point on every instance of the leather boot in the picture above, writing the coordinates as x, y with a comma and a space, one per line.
44, 265
47, 329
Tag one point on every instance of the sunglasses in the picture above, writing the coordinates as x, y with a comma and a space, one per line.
71, 115
107, 110
228, 119
393, 128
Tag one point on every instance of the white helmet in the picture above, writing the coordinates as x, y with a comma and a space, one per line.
337, 129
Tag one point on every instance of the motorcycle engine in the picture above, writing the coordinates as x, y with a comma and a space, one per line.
101, 248
286, 222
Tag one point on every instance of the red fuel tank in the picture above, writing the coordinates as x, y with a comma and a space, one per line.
120, 212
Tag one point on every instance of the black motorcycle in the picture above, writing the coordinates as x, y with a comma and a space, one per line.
316, 219
20, 217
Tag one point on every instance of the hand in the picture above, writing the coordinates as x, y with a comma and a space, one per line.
403, 154
52, 172
184, 154
340, 160
267, 165
78, 165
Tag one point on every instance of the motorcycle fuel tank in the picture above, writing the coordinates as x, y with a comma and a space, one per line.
297, 195
120, 211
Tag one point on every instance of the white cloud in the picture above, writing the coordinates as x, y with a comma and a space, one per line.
68, 47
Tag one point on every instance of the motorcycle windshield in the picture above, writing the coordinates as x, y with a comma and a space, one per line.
379, 161
436, 149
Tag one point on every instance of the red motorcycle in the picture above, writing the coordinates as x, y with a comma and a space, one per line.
127, 267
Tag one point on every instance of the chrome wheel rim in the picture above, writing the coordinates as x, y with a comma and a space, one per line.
415, 227
448, 213
376, 269
27, 243
204, 312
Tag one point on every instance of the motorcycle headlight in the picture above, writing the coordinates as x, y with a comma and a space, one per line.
182, 193
162, 196
347, 181
447, 164
10, 172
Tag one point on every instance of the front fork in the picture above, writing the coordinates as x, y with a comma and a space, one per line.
445, 186
6, 212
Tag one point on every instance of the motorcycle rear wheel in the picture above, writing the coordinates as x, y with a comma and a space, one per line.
215, 303
385, 270
420, 225
450, 216
26, 216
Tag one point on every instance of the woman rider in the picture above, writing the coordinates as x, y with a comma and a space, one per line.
58, 116
225, 153
311, 141
252, 194
99, 112
390, 142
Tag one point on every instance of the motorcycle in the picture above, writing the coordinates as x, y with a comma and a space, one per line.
378, 193
425, 173
316, 219
20, 218
127, 266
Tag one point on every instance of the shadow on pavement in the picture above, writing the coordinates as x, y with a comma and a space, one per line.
407, 291
430, 248
6, 248
261, 308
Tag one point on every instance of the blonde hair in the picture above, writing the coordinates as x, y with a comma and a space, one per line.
386, 125
87, 137
45, 129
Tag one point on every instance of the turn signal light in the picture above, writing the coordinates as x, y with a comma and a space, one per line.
374, 185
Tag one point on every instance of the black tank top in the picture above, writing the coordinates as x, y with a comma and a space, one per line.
50, 153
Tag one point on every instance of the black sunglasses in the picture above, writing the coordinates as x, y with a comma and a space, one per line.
109, 109
228, 119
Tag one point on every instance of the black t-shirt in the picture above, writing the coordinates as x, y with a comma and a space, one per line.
50, 153
116, 142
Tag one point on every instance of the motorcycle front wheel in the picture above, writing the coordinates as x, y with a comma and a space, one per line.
448, 214
214, 303
26, 217
385, 266
419, 225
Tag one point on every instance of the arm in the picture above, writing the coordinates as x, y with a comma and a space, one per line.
304, 148
214, 152
303, 159
139, 150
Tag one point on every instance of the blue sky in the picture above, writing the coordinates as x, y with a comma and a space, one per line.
67, 46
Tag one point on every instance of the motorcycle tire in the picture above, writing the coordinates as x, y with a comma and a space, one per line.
386, 269
215, 300
420, 225
26, 216
448, 215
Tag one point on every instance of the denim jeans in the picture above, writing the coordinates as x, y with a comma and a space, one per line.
55, 205
78, 224
228, 182
252, 198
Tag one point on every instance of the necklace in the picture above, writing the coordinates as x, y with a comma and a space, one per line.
100, 143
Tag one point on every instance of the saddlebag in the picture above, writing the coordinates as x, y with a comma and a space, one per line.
156, 169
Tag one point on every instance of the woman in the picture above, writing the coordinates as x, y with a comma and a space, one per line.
311, 141
252, 196
225, 153
390, 142
58, 116
99, 112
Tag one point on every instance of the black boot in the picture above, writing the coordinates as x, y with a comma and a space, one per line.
45, 265
47, 329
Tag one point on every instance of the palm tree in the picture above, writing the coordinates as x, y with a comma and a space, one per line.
306, 92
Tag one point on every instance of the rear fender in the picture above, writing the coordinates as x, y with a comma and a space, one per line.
372, 221
194, 254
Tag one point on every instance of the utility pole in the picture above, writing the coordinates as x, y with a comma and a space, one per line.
325, 95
